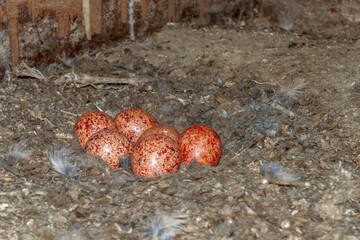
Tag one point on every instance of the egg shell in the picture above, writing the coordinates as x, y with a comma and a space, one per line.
161, 129
110, 146
155, 155
200, 143
90, 123
132, 122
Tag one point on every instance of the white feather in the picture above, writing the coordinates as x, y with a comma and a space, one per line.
166, 227
61, 162
293, 90
276, 174
18, 151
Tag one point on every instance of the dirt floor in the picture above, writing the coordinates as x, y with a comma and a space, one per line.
274, 96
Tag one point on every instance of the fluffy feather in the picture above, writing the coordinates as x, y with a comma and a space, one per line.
276, 174
19, 151
16, 151
285, 20
293, 90
166, 227
61, 163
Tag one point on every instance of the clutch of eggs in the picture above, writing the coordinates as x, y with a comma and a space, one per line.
155, 149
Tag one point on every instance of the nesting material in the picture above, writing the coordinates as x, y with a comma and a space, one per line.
61, 162
277, 175
166, 227
16, 152
293, 90
19, 150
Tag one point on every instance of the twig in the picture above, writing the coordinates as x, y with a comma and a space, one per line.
86, 80
72, 114
37, 115
266, 83
24, 70
63, 135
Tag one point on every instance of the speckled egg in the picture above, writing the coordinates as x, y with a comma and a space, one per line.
155, 155
110, 145
161, 129
132, 122
90, 123
201, 143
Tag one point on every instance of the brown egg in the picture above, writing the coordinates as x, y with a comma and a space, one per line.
155, 155
90, 123
161, 129
200, 143
110, 145
132, 122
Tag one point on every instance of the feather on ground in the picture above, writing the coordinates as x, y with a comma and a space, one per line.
60, 160
166, 227
277, 175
